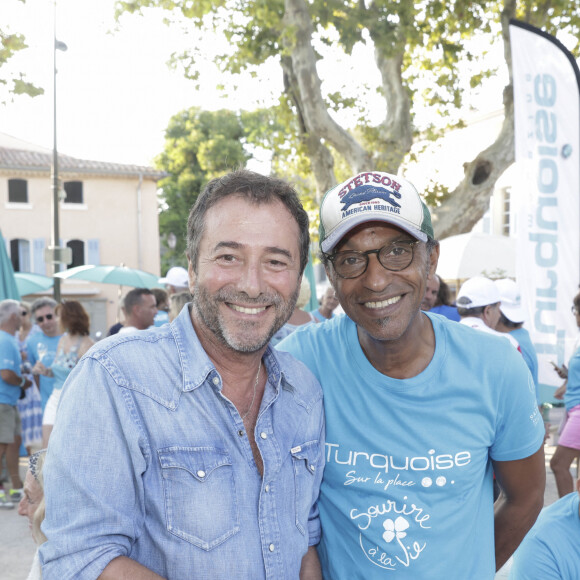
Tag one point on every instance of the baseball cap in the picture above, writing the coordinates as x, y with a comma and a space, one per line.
511, 301
372, 196
176, 276
477, 291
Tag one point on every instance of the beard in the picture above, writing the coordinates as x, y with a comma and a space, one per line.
246, 335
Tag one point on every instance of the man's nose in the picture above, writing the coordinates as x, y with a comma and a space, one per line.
252, 280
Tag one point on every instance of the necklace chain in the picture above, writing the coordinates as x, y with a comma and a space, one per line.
254, 395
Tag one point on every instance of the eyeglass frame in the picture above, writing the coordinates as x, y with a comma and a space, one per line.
411, 243
40, 319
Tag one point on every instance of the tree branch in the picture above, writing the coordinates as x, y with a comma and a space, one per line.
317, 121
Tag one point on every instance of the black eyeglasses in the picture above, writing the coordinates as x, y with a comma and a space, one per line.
394, 257
40, 319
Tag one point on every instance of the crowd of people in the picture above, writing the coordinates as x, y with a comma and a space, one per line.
237, 436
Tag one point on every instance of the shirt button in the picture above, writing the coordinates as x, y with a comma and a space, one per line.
312, 468
201, 473
271, 547
241, 432
263, 435
216, 381
267, 488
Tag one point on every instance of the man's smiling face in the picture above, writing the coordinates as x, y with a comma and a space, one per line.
384, 304
247, 277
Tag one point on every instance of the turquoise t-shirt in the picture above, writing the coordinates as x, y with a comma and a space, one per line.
43, 348
529, 354
572, 395
10, 360
407, 488
551, 549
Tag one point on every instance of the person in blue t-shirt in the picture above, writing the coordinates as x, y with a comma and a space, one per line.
440, 303
511, 320
41, 347
162, 300
328, 304
568, 448
419, 410
551, 549
11, 382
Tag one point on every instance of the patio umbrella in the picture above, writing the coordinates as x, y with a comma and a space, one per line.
8, 287
120, 275
28, 283
473, 254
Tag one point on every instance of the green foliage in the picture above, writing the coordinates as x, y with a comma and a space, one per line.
10, 44
199, 145
442, 44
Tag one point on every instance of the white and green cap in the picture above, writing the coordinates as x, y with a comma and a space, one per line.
372, 196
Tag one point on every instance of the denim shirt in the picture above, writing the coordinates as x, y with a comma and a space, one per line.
149, 460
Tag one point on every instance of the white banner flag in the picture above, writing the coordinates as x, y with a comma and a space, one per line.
546, 194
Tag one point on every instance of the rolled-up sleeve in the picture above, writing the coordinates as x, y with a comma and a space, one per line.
92, 476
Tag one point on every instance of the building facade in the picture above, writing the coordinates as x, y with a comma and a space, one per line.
108, 215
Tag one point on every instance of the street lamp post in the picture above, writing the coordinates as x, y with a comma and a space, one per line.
55, 234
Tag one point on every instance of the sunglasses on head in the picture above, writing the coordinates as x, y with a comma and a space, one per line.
40, 319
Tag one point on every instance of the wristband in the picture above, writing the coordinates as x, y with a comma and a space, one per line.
23, 381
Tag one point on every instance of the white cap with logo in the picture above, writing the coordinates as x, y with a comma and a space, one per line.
476, 292
511, 301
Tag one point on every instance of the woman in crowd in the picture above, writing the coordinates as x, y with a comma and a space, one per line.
569, 442
75, 341
32, 506
30, 404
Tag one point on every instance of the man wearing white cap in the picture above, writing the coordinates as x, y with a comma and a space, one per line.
478, 305
176, 280
419, 409
511, 320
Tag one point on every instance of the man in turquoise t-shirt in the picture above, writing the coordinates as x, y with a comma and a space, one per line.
41, 346
551, 550
419, 410
11, 383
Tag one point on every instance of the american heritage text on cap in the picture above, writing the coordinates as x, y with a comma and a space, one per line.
372, 196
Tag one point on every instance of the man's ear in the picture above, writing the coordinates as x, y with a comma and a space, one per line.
191, 273
434, 259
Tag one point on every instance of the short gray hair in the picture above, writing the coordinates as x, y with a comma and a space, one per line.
7, 309
41, 303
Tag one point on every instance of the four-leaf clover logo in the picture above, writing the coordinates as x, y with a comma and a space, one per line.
395, 529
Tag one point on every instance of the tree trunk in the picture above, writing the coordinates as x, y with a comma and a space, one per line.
318, 123
467, 204
396, 132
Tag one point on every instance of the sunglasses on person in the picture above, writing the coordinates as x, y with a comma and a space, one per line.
40, 319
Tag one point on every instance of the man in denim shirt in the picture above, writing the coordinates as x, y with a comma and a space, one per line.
194, 450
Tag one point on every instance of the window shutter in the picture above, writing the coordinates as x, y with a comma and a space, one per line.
93, 253
39, 265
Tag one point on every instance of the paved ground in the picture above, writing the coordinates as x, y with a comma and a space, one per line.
18, 547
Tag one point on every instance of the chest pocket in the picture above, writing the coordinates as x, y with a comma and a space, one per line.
305, 459
200, 495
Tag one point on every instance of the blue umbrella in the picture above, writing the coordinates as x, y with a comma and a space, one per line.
28, 283
8, 287
120, 275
